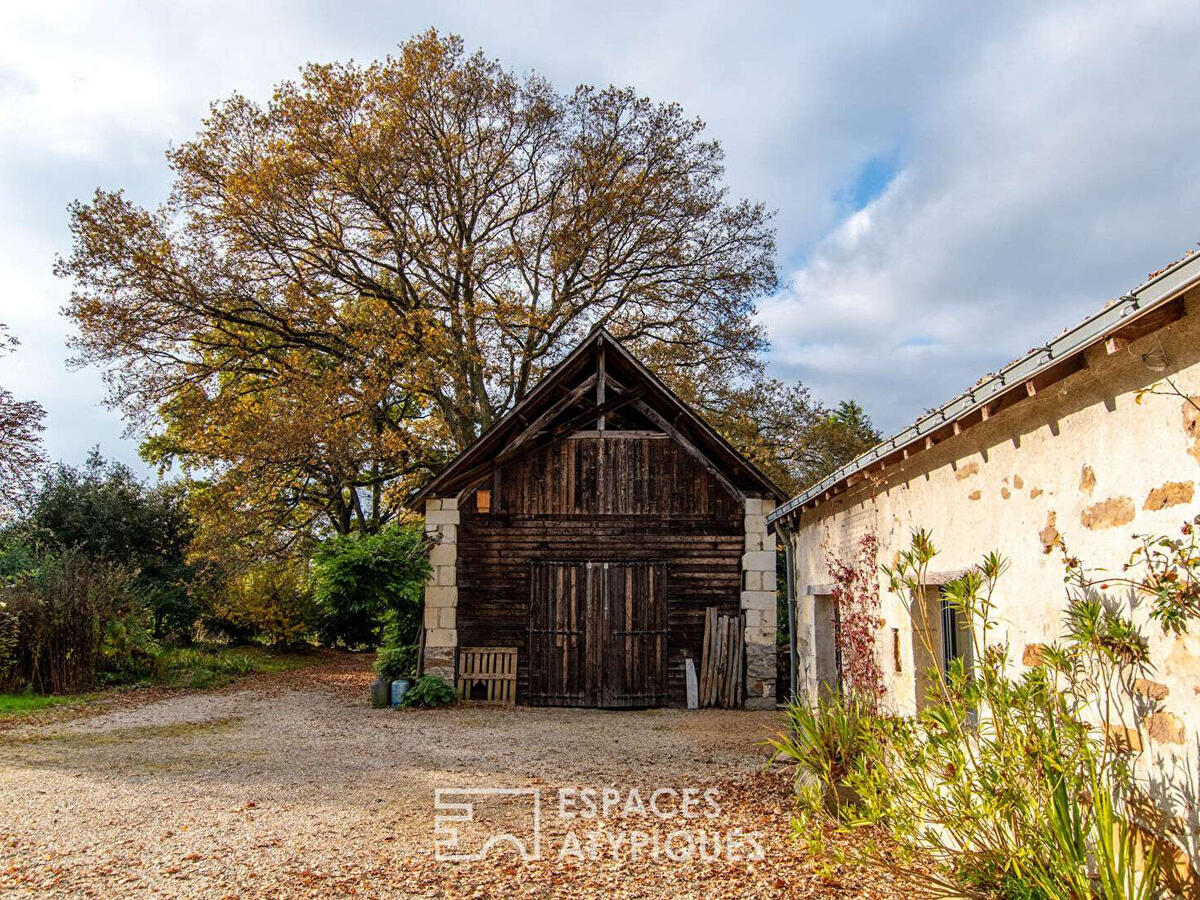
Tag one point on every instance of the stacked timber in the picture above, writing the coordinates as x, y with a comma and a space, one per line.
722, 660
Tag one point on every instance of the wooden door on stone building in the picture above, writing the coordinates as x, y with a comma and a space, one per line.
598, 634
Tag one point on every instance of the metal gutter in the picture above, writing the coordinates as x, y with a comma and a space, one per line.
1165, 286
789, 549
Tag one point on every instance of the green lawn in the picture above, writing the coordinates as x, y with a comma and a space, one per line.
17, 704
196, 667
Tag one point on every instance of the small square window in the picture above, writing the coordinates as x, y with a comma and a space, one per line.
483, 501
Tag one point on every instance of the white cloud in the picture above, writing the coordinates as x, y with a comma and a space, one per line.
1051, 172
1047, 154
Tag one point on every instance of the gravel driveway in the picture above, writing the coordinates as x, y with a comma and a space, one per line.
289, 785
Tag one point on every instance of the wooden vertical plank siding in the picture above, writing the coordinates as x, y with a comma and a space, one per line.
612, 519
635, 633
560, 597
597, 634
506, 555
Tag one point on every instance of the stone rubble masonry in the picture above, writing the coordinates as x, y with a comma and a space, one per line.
758, 601
1111, 513
1122, 737
1034, 655
1173, 493
441, 591
1151, 689
1166, 727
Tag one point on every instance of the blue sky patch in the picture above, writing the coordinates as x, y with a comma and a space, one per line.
871, 180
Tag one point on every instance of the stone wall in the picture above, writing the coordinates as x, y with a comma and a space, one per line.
758, 601
441, 592
1087, 462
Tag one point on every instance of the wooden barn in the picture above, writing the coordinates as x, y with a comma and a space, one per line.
587, 543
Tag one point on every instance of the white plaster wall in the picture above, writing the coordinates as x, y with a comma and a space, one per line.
996, 486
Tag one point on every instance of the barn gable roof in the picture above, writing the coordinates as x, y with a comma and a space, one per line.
598, 378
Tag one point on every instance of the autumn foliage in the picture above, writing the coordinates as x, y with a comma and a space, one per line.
856, 598
350, 282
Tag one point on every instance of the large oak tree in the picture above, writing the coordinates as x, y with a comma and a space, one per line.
352, 281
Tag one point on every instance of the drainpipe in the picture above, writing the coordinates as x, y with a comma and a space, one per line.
786, 533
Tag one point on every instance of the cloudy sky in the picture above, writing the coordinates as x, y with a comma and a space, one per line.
955, 183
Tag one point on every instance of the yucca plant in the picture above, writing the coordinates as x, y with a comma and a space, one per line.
1092, 850
825, 740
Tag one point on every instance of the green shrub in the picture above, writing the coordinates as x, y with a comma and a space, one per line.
226, 624
195, 668
366, 582
1001, 783
17, 558
10, 640
199, 667
431, 691
825, 741
60, 614
392, 663
129, 653
16, 562
103, 510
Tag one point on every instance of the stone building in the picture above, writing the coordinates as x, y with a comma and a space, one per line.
1084, 442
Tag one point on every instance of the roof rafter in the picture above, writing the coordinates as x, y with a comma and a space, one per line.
585, 381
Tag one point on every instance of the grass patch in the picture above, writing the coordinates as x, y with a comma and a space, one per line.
19, 704
208, 667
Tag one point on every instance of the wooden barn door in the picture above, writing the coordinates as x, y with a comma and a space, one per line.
597, 634
635, 654
558, 610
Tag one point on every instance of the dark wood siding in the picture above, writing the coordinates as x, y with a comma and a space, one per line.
642, 476
597, 634
592, 499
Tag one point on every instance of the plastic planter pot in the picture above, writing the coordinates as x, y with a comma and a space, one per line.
380, 693
399, 688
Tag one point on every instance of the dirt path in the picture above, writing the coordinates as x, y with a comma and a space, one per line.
290, 786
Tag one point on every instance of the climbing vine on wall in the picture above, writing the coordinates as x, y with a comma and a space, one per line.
856, 600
